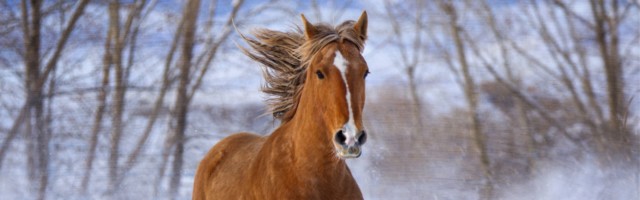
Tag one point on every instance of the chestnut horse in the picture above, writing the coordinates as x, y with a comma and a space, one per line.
316, 78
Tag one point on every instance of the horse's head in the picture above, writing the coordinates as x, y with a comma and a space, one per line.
335, 82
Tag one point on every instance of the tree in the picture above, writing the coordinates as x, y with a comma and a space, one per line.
176, 139
182, 104
119, 34
37, 72
564, 32
470, 92
411, 48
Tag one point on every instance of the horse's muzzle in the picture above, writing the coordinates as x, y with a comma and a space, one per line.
349, 147
349, 152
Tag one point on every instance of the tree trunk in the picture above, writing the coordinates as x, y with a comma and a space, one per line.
415, 99
102, 101
36, 136
166, 83
118, 96
617, 138
410, 55
470, 92
521, 109
31, 114
182, 104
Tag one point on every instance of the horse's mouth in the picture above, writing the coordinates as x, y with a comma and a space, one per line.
348, 152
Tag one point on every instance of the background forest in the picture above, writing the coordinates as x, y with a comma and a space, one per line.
467, 99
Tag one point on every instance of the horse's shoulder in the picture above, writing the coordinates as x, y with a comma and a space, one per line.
229, 145
241, 137
233, 142
224, 157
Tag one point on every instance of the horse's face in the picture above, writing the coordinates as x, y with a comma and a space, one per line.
336, 75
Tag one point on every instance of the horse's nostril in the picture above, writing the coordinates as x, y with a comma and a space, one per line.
340, 138
362, 138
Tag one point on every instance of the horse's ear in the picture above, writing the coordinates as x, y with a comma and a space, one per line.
309, 29
361, 26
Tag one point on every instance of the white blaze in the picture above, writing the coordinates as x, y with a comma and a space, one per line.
349, 128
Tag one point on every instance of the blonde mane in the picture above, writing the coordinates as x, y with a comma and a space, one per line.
285, 57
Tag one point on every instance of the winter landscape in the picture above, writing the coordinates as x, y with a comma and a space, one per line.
490, 99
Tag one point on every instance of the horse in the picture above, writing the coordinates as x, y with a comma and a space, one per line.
315, 78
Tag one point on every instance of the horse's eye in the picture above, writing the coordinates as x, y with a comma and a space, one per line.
320, 75
366, 73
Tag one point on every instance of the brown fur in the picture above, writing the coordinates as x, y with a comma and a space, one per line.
298, 160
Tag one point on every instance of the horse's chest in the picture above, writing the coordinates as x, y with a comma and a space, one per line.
309, 187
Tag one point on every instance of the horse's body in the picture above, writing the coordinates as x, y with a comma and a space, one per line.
304, 157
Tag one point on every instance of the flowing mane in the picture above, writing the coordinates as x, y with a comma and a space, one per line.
286, 56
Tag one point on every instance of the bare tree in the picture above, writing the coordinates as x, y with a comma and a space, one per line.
411, 48
167, 81
521, 110
37, 161
470, 91
100, 110
563, 31
119, 91
120, 36
181, 108
565, 60
607, 18
175, 140
37, 72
